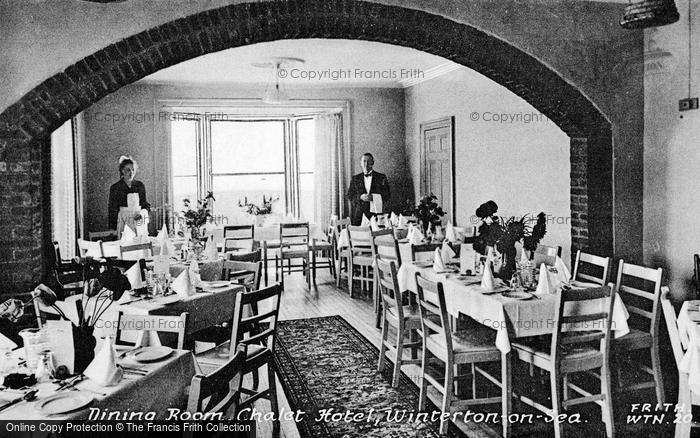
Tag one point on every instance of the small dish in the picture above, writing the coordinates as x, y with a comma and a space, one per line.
151, 354
518, 295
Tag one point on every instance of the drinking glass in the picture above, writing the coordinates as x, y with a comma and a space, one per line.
45, 369
35, 341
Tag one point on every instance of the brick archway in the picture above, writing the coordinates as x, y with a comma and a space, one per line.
26, 125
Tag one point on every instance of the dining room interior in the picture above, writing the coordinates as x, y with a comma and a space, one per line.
188, 232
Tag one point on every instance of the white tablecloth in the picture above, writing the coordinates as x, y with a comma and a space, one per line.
689, 330
508, 316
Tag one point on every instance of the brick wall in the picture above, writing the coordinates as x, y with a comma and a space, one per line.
25, 125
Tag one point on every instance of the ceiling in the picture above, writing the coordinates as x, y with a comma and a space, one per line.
341, 63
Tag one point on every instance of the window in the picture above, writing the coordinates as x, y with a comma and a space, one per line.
239, 159
64, 190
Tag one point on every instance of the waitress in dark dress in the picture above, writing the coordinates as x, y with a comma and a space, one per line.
127, 184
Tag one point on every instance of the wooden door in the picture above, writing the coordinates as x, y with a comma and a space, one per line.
437, 163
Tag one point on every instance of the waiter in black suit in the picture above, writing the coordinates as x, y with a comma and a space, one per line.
362, 186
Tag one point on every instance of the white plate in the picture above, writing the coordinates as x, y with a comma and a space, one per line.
63, 402
151, 354
424, 264
216, 284
518, 295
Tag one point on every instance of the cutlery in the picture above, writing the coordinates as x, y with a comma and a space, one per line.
133, 370
132, 301
123, 355
72, 383
29, 396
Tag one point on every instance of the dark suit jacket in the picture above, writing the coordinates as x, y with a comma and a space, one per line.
380, 186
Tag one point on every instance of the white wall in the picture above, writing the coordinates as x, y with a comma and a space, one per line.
672, 152
377, 127
523, 167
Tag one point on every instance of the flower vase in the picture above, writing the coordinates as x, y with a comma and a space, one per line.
508, 264
83, 347
259, 220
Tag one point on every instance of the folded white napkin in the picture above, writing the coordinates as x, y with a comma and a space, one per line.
447, 252
450, 234
394, 219
210, 251
162, 234
416, 237
142, 228
403, 222
375, 205
6, 342
563, 274
544, 284
373, 224
490, 255
103, 369
134, 276
487, 280
148, 338
523, 256
438, 263
467, 258
182, 285
365, 221
128, 235
343, 239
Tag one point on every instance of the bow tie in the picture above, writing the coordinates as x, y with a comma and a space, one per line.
367, 175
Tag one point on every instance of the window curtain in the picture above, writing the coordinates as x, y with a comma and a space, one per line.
63, 189
330, 168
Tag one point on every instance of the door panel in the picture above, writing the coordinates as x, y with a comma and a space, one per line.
437, 175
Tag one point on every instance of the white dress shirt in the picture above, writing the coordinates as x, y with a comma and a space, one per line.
368, 182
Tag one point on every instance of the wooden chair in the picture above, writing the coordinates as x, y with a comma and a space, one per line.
342, 254
324, 249
686, 397
68, 274
137, 251
294, 244
476, 345
90, 249
360, 256
245, 273
404, 319
159, 323
104, 236
253, 256
386, 247
424, 251
257, 332
644, 322
591, 268
574, 352
546, 254
239, 237
219, 391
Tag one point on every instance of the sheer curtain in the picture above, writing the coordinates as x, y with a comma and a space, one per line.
330, 168
63, 189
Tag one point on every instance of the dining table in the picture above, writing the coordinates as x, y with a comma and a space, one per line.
145, 387
528, 315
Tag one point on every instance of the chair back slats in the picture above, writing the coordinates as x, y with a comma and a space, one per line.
292, 234
587, 263
433, 308
239, 237
388, 286
218, 391
423, 251
672, 326
136, 251
104, 236
600, 332
257, 301
360, 238
634, 297
251, 256
245, 273
385, 246
90, 249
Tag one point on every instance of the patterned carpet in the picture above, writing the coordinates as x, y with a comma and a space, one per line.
324, 364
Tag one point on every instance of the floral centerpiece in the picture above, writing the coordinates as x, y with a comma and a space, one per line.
258, 210
261, 210
428, 212
502, 234
195, 219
